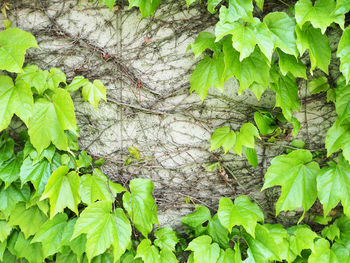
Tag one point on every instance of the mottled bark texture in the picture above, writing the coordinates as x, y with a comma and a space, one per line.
146, 69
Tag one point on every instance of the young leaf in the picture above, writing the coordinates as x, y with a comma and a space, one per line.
49, 121
146, 7
243, 212
147, 252
318, 45
14, 99
140, 205
50, 234
94, 92
77, 83
109, 3
246, 137
223, 137
321, 14
289, 63
266, 124
344, 54
196, 220
62, 190
237, 9
212, 4
333, 186
297, 175
203, 41
166, 238
10, 196
252, 157
14, 43
204, 250
190, 2
101, 228
167, 256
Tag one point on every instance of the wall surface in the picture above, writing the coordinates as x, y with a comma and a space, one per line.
146, 69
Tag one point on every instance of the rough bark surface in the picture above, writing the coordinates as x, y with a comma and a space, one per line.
146, 69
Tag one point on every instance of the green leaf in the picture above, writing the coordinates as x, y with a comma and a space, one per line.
243, 212
140, 205
246, 137
333, 186
229, 256
260, 4
301, 237
77, 83
147, 252
14, 99
282, 28
212, 4
223, 137
331, 232
62, 190
266, 124
204, 250
190, 2
246, 36
94, 92
10, 196
208, 73
289, 63
343, 53
217, 232
318, 45
297, 143
29, 220
85, 160
6, 147
24, 249
5, 230
66, 257
124, 234
238, 9
318, 85
167, 256
146, 7
9, 170
98, 187
251, 156
203, 41
109, 3
196, 220
297, 175
77, 244
321, 14
100, 224
166, 238
50, 234
49, 121
322, 253
14, 43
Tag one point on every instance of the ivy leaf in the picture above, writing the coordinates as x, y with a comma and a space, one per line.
217, 232
223, 137
14, 99
94, 92
321, 14
196, 220
208, 73
77, 83
343, 6
24, 249
140, 205
124, 234
50, 234
322, 252
147, 252
6, 147
229, 256
10, 196
5, 230
282, 28
98, 187
338, 138
166, 239
167, 256
301, 237
14, 43
190, 2
243, 212
331, 232
318, 45
66, 257
204, 250
289, 63
212, 4
203, 41
146, 7
318, 85
297, 175
333, 185
101, 228
62, 190
260, 4
9, 170
266, 124
109, 3
49, 121
29, 220
252, 157
246, 137
238, 9
344, 54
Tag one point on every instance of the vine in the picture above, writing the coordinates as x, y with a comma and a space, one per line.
57, 206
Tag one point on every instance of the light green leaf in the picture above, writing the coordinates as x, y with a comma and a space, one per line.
124, 234
222, 137
301, 237
318, 45
50, 119
297, 175
77, 83
289, 63
246, 137
167, 256
212, 4
147, 252
24, 249
5, 230
217, 232
243, 212
50, 234
9, 170
6, 147
190, 2
204, 250
238, 9
266, 124
140, 205
338, 137
109, 3
282, 28
252, 157
14, 43
10, 196
166, 238
321, 14
195, 220
14, 99
228, 256
62, 190
94, 92
318, 85
208, 73
322, 253
66, 257
147, 7
331, 232
203, 41
333, 185
260, 4
29, 220
343, 53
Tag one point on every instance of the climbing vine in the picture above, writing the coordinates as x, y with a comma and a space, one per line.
57, 206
